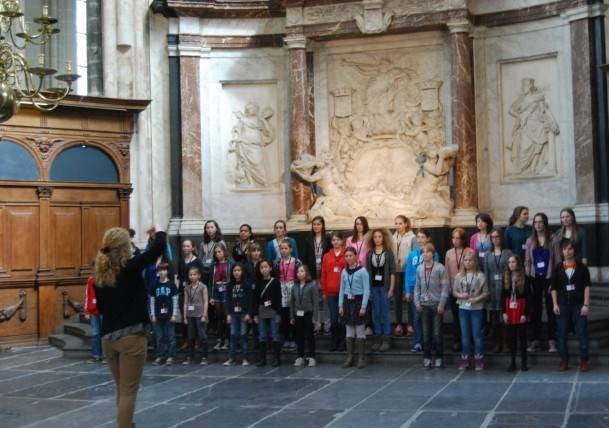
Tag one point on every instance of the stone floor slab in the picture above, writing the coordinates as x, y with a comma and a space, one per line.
471, 396
527, 420
455, 419
536, 397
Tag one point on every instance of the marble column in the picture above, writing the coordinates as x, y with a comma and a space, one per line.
463, 118
589, 103
94, 48
299, 123
190, 114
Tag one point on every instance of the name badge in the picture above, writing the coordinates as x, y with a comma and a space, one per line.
513, 305
336, 269
524, 246
164, 310
378, 277
191, 307
350, 296
467, 304
424, 298
570, 287
300, 313
94, 301
267, 303
221, 288
482, 254
541, 265
415, 260
237, 309
497, 277
318, 260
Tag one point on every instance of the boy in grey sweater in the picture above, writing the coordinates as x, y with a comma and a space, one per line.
430, 296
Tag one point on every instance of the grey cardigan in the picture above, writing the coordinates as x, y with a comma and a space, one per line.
388, 267
306, 300
437, 293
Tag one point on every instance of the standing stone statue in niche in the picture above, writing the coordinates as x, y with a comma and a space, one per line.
252, 133
533, 135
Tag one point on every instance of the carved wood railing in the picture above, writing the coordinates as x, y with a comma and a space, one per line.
68, 303
8, 312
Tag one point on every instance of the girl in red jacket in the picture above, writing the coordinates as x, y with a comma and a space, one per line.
94, 316
332, 265
516, 309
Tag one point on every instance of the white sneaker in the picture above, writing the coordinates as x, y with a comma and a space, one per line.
157, 362
533, 346
369, 331
229, 362
224, 347
439, 363
170, 361
427, 363
299, 362
312, 362
552, 346
245, 363
218, 345
203, 361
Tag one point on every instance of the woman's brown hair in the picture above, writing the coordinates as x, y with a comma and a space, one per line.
519, 274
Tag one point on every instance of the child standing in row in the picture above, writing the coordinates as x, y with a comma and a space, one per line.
238, 300
453, 260
430, 296
333, 264
219, 279
267, 311
516, 309
352, 303
164, 314
196, 303
471, 292
380, 263
304, 313
404, 241
286, 269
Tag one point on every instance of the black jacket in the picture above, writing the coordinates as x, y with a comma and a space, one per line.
308, 252
560, 280
241, 298
273, 292
126, 304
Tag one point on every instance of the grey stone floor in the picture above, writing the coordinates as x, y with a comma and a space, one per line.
40, 388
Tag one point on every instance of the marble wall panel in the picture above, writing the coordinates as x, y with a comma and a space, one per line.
504, 56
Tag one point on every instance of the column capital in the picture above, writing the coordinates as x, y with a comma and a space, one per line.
124, 193
44, 192
584, 12
459, 26
296, 41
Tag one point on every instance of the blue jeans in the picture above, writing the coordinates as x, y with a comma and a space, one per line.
96, 347
471, 325
416, 323
266, 327
380, 311
238, 327
197, 328
568, 314
333, 310
164, 330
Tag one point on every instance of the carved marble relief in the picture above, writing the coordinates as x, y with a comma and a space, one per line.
530, 150
387, 152
251, 133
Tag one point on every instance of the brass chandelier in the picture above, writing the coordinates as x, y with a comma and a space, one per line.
19, 81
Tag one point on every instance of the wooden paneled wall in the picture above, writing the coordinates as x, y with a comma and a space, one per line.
50, 231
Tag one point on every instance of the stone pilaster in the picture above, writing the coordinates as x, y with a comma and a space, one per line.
463, 117
299, 124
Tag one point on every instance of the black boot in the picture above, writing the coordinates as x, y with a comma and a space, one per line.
523, 365
277, 352
340, 334
512, 365
262, 349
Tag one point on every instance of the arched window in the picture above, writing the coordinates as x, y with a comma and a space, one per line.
84, 164
16, 163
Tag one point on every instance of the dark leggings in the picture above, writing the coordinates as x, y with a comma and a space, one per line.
454, 308
220, 320
517, 332
303, 327
286, 329
540, 291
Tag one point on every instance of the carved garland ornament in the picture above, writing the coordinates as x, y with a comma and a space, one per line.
68, 303
8, 312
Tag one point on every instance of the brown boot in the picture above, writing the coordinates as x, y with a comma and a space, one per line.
361, 346
349, 361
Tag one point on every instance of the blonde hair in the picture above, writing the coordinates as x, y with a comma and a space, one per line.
112, 257
468, 252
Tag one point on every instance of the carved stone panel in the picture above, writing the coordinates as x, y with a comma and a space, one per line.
387, 151
530, 130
